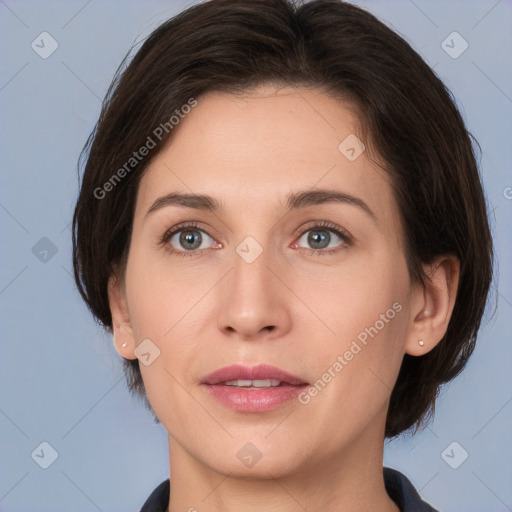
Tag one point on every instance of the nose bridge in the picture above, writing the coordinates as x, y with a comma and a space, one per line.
251, 275
251, 299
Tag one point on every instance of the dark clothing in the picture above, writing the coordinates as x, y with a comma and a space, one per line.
398, 486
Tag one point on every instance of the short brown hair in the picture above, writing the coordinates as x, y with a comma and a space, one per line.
407, 114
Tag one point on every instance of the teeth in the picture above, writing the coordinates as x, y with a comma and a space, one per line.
242, 383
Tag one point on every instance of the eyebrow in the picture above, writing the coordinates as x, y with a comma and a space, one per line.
296, 200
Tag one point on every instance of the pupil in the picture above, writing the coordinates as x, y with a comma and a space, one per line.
318, 238
187, 239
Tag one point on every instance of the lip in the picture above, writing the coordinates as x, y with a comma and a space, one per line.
250, 399
259, 372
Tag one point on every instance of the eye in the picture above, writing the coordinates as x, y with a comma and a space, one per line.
320, 238
187, 240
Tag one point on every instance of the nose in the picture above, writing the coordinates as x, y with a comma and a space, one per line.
253, 299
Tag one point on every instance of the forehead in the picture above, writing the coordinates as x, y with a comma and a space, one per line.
253, 149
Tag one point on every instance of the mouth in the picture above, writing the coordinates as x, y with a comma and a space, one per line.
253, 384
261, 376
253, 389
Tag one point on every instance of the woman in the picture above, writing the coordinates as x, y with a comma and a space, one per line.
282, 224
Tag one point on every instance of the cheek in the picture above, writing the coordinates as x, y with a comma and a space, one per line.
352, 296
367, 312
162, 295
165, 307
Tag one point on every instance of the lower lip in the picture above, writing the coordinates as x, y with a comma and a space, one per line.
254, 400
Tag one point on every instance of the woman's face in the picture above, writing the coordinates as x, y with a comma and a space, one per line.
266, 279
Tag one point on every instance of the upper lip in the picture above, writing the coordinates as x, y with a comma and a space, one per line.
259, 372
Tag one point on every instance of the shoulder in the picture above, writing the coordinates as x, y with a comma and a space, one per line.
158, 500
403, 493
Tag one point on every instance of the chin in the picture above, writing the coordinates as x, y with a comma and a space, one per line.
269, 466
253, 457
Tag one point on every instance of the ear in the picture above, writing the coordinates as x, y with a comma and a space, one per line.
432, 305
122, 332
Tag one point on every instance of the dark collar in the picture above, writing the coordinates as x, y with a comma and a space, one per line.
402, 492
398, 486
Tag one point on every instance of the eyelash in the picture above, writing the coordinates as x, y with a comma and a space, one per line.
319, 226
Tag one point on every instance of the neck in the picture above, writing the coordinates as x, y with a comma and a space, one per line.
347, 480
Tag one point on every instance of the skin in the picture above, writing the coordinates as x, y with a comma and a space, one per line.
290, 308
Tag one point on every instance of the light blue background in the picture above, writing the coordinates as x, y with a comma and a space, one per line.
61, 380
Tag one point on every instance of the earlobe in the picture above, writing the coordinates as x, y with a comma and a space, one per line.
122, 333
123, 347
432, 305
